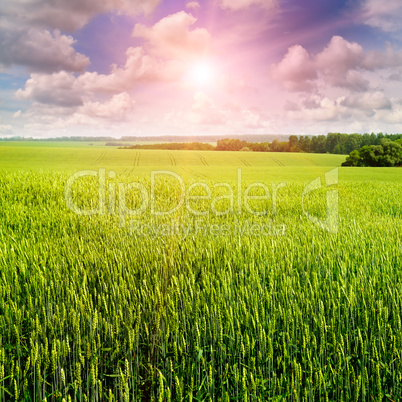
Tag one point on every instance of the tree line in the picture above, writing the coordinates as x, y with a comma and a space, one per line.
333, 143
171, 146
386, 154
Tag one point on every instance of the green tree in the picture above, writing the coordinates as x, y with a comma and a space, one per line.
332, 141
353, 142
228, 144
318, 144
305, 143
387, 154
293, 143
353, 159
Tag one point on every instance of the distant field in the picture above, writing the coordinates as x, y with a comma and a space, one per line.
70, 157
51, 144
213, 302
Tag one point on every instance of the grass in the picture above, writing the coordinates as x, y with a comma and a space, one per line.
214, 165
93, 308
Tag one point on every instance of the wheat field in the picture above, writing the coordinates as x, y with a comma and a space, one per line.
213, 301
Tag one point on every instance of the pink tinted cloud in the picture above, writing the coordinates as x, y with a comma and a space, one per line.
205, 111
375, 59
118, 108
41, 50
62, 89
68, 15
30, 36
236, 5
139, 67
65, 89
296, 70
339, 56
193, 5
340, 64
169, 46
91, 117
168, 49
368, 101
325, 110
172, 37
383, 14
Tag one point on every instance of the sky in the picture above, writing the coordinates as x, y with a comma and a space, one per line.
164, 67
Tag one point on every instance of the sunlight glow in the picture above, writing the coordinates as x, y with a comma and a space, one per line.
202, 74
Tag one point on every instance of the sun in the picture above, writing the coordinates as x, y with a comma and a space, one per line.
202, 74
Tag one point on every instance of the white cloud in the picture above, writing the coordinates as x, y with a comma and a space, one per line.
395, 77
340, 56
243, 4
360, 112
369, 101
68, 15
139, 67
375, 60
40, 50
340, 64
67, 90
63, 99
393, 116
204, 110
30, 36
62, 89
311, 102
291, 106
353, 80
193, 5
383, 14
6, 129
326, 110
170, 46
91, 115
118, 108
251, 119
296, 70
172, 37
232, 84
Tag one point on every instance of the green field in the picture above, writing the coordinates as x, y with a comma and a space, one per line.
223, 298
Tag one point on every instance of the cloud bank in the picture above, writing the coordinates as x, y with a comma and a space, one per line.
340, 64
30, 31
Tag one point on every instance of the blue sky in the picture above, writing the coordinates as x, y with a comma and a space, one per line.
136, 67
